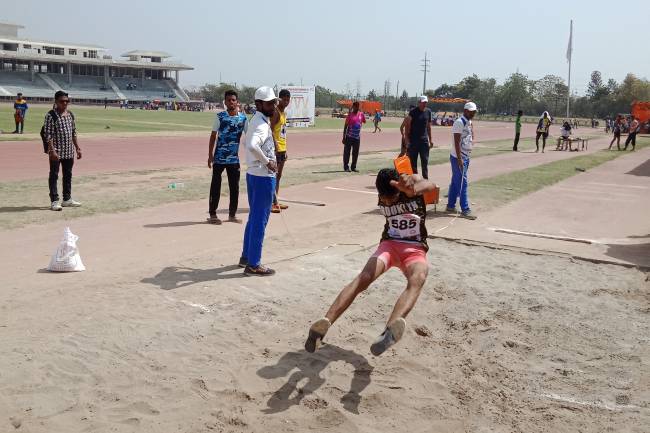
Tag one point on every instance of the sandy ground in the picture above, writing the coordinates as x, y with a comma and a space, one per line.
186, 344
162, 333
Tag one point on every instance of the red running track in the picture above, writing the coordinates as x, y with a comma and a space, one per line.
25, 159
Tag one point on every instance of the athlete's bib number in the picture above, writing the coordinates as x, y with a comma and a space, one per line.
404, 227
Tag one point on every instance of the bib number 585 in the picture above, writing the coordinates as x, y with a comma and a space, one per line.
403, 224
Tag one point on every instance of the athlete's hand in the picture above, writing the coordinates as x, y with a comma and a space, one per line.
54, 156
210, 159
272, 166
461, 167
78, 153
405, 184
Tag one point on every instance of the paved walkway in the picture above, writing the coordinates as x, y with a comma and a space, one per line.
602, 214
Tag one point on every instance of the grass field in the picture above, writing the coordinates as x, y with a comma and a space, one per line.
97, 119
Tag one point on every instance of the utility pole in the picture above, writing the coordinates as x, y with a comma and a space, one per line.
397, 96
425, 69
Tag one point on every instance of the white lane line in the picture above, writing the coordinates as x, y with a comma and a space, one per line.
189, 304
617, 185
350, 190
542, 235
592, 404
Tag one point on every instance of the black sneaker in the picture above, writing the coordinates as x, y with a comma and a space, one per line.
468, 215
259, 271
355, 170
316, 334
347, 170
243, 262
391, 335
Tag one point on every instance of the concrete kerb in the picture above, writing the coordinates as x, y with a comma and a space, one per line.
538, 252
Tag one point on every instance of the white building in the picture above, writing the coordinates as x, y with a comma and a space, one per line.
38, 68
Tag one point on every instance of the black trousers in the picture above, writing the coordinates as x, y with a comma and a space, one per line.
516, 142
420, 149
232, 171
67, 178
631, 138
543, 135
20, 126
351, 144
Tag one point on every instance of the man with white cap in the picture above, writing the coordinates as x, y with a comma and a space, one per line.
260, 181
461, 149
418, 136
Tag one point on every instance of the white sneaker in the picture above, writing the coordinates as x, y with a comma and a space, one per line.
55, 206
70, 203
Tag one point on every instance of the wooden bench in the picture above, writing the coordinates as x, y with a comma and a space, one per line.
565, 143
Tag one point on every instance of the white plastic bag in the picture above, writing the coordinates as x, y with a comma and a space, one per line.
66, 257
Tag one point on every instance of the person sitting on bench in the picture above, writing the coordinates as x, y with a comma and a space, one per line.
566, 137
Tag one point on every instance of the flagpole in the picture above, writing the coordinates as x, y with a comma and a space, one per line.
570, 55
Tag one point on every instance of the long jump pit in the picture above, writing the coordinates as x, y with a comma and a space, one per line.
164, 333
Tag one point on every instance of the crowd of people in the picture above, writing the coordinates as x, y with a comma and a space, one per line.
617, 126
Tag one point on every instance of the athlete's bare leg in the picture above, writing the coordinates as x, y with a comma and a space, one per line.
416, 275
373, 270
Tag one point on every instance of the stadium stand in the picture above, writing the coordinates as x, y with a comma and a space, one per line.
38, 68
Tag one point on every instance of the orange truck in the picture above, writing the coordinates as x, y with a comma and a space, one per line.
370, 107
641, 111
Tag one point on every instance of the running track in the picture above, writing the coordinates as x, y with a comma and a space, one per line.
25, 159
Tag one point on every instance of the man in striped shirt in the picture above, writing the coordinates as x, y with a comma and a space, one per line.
61, 136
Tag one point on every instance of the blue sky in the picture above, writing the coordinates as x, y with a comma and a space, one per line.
335, 42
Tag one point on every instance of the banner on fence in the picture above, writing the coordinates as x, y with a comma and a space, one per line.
301, 111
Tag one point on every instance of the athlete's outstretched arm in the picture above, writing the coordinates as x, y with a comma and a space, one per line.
413, 184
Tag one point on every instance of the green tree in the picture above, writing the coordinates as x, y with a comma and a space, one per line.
596, 88
515, 94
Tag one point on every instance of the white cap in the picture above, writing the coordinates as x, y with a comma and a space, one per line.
264, 93
424, 98
470, 106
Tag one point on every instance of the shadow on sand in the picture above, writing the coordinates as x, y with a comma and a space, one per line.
639, 254
303, 365
174, 277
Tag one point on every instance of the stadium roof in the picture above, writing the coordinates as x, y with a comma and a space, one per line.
170, 66
16, 40
143, 53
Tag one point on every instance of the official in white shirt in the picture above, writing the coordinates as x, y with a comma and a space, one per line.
260, 181
461, 149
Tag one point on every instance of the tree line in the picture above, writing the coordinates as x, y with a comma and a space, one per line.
517, 92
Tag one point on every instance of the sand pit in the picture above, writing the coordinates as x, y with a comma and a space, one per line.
515, 343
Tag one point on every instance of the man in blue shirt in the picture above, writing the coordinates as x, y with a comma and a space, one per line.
377, 120
227, 131
20, 109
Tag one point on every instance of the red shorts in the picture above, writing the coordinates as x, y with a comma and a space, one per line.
400, 254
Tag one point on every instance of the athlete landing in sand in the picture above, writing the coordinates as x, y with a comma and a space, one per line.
403, 244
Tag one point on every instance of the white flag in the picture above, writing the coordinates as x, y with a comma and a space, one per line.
569, 49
